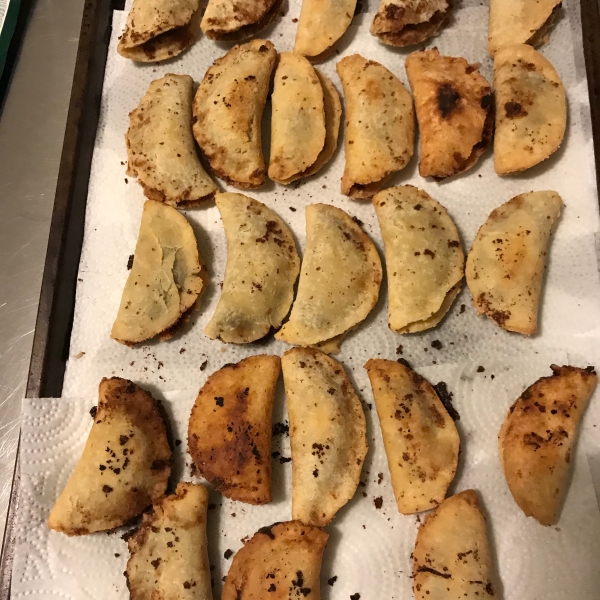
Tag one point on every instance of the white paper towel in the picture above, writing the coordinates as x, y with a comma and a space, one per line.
369, 549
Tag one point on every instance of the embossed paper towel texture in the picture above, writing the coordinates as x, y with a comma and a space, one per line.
369, 549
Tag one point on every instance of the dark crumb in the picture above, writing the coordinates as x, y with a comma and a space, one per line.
228, 554
93, 411
437, 344
364, 494
362, 484
177, 442
155, 562
480, 369
446, 397
284, 459
126, 180
379, 478
358, 221
181, 350
492, 376
275, 454
125, 537
203, 365
281, 429
193, 470
117, 555
272, 587
107, 489
130, 262
294, 20
418, 519
292, 209
219, 400
462, 308
332, 580
355, 597
316, 473
404, 362
378, 502
399, 349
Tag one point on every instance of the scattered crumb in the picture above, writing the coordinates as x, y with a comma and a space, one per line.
80, 354
378, 502
437, 345
404, 362
281, 429
399, 349
441, 389
228, 554
379, 478
480, 369
332, 580
203, 365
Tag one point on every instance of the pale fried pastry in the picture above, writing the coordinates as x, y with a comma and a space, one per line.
157, 30
228, 109
424, 257
531, 109
406, 22
505, 266
166, 278
237, 20
327, 434
229, 433
125, 465
262, 267
161, 151
380, 125
537, 440
298, 118
452, 559
520, 22
321, 24
168, 553
339, 282
420, 438
280, 561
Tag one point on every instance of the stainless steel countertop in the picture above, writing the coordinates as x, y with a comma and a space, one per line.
32, 126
